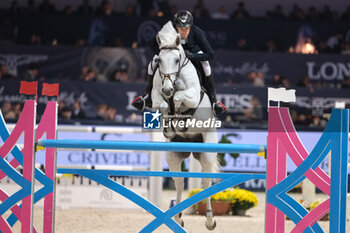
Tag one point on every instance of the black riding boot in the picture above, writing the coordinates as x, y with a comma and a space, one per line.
145, 100
218, 107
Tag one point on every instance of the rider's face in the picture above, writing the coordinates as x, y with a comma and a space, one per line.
183, 31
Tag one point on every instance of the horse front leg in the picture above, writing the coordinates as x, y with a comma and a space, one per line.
158, 102
164, 107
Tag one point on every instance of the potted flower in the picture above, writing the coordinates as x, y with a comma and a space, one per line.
312, 206
220, 203
237, 200
242, 200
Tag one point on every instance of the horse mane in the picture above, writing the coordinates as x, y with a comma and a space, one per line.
167, 35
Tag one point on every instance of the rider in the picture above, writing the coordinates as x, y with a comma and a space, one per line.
197, 49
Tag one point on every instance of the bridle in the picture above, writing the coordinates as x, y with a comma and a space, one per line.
166, 76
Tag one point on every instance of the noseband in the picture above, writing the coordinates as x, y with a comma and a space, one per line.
166, 76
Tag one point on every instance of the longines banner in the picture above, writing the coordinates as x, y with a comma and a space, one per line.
59, 63
325, 68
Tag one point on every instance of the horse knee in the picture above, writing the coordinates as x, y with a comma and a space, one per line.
163, 106
178, 98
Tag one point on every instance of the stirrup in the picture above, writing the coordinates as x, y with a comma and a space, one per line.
219, 108
139, 103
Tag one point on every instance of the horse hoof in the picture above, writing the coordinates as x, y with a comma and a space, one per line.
211, 227
182, 224
169, 133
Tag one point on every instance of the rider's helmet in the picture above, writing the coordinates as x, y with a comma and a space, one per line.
183, 19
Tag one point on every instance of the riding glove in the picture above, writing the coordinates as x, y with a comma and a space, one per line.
188, 54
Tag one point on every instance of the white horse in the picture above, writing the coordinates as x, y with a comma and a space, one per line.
177, 90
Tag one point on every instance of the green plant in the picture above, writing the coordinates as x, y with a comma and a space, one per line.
183, 166
221, 156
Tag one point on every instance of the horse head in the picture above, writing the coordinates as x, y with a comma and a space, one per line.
171, 58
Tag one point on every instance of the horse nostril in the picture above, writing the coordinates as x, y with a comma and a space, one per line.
167, 91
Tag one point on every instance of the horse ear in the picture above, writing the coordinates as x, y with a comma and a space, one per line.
177, 40
158, 40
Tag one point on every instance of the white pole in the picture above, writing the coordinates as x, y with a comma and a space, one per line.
308, 191
156, 164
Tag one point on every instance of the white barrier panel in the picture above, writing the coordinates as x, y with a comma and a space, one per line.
348, 209
69, 192
69, 195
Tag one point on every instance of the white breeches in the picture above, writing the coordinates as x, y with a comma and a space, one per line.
206, 67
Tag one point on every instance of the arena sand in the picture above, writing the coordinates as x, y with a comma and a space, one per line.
88, 220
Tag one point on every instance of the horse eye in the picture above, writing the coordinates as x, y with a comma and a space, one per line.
177, 61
